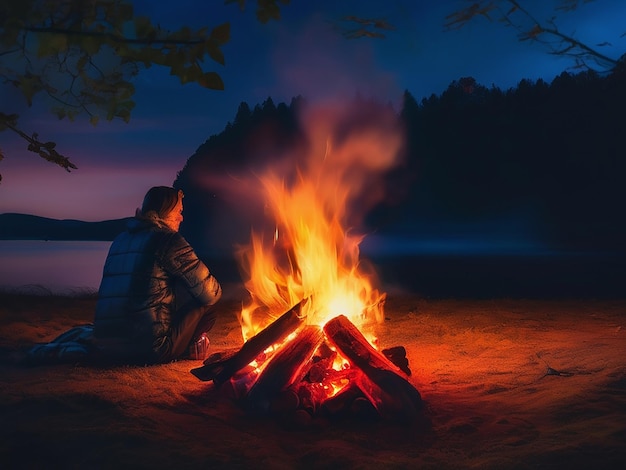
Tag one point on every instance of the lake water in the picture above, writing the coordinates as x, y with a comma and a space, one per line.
56, 266
435, 270
76, 266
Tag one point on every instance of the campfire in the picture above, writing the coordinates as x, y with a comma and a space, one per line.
309, 330
292, 367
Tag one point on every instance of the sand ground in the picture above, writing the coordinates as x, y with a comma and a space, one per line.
507, 383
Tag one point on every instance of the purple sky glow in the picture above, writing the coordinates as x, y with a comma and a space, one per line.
300, 55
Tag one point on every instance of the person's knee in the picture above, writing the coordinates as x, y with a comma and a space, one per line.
207, 321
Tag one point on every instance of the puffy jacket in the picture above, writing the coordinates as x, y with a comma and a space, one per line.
145, 269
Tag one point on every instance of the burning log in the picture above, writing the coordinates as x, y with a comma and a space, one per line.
298, 381
287, 367
222, 369
339, 404
384, 384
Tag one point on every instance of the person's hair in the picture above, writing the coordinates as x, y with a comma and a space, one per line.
160, 199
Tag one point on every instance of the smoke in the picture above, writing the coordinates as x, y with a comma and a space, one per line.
348, 138
350, 148
335, 162
317, 62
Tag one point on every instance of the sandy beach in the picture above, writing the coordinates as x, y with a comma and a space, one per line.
507, 383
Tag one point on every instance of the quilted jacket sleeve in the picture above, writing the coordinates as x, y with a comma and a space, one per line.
180, 261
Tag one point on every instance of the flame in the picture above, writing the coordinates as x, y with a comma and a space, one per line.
310, 252
311, 255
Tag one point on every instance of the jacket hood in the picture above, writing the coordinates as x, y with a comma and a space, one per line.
143, 221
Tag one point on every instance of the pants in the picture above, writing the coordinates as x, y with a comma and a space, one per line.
188, 324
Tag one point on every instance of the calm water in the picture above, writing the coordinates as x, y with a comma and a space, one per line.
59, 266
484, 271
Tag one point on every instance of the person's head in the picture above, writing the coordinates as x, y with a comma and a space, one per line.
167, 203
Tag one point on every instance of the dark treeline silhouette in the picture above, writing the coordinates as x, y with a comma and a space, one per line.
550, 153
216, 218
553, 152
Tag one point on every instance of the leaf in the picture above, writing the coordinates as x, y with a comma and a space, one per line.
267, 10
127, 104
8, 120
177, 66
185, 76
458, 19
71, 114
60, 112
124, 12
532, 34
124, 114
94, 120
211, 80
80, 63
51, 44
183, 34
242, 3
361, 33
221, 33
216, 54
143, 27
90, 45
29, 86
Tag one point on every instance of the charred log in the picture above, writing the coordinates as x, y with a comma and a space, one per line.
222, 369
287, 367
285, 402
382, 382
338, 406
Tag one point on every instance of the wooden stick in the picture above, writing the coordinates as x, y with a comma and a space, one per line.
386, 386
288, 366
221, 370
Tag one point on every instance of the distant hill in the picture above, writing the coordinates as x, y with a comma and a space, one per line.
32, 227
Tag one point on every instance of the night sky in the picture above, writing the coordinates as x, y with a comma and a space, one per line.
301, 55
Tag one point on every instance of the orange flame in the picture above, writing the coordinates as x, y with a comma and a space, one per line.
311, 253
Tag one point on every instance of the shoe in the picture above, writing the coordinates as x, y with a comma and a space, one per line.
199, 349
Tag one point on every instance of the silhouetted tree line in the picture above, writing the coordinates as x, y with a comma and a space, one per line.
211, 179
553, 153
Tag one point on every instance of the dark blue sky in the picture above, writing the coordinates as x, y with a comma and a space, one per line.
300, 55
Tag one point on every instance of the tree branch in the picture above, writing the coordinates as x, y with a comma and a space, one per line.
45, 150
114, 37
575, 43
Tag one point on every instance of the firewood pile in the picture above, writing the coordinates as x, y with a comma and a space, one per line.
289, 370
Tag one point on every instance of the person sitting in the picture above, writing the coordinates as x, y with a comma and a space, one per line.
156, 296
